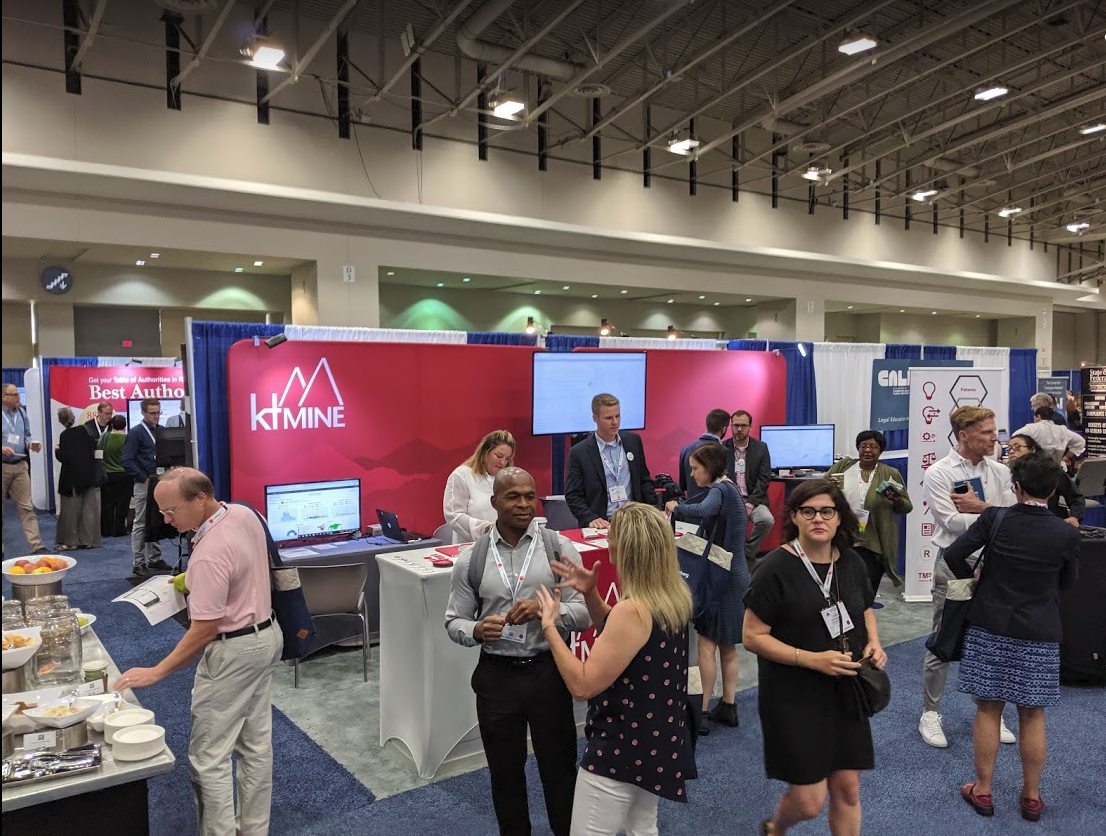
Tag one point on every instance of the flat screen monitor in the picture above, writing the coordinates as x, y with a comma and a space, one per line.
169, 408
565, 383
306, 510
173, 447
803, 446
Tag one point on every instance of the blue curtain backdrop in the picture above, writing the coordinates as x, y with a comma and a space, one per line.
802, 390
14, 375
1023, 383
211, 341
564, 342
939, 352
747, 345
500, 338
48, 442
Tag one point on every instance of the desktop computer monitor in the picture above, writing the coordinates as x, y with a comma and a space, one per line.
805, 446
307, 510
173, 447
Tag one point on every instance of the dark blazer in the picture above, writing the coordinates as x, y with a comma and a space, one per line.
1034, 556
586, 488
1077, 503
687, 485
758, 469
77, 454
93, 429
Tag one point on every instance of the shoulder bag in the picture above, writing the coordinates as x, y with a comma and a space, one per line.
947, 641
869, 692
705, 566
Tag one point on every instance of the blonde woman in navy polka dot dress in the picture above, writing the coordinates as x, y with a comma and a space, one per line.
635, 679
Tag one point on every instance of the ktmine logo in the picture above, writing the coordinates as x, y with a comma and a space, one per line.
303, 416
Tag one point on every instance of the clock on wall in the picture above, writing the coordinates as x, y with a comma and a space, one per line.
56, 280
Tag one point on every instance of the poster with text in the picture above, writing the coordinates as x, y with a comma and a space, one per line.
934, 393
891, 391
1093, 386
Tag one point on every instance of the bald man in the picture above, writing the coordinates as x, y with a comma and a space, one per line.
516, 681
18, 442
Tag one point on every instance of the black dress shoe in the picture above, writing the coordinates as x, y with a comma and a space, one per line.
159, 567
142, 571
724, 713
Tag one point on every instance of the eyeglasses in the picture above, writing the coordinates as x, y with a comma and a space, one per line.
741, 426
808, 512
172, 512
868, 445
1017, 448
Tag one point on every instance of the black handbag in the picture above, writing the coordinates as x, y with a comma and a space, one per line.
947, 641
869, 692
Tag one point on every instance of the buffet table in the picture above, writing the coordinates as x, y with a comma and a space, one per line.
111, 800
352, 552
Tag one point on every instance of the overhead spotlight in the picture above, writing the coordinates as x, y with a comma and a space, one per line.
155, 255
683, 146
440, 284
623, 291
672, 332
391, 272
855, 44
537, 293
994, 91
276, 340
671, 301
902, 310
922, 195
1009, 211
1078, 226
702, 296
933, 313
605, 328
1096, 127
258, 263
263, 52
851, 307
749, 299
716, 304
505, 107
140, 263
531, 326
815, 173
802, 349
595, 296
467, 279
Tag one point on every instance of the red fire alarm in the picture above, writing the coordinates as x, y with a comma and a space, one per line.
127, 343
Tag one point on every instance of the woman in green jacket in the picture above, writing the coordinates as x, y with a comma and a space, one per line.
860, 479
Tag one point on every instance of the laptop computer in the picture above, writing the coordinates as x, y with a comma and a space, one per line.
389, 527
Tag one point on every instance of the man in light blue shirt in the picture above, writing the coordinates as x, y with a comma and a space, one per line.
17, 468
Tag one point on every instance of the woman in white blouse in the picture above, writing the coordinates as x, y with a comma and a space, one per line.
468, 491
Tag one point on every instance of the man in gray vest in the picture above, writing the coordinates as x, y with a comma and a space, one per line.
493, 603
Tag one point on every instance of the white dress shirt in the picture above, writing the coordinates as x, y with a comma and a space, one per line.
467, 504
937, 489
1054, 438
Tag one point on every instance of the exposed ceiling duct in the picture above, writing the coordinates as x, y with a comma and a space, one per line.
941, 164
468, 42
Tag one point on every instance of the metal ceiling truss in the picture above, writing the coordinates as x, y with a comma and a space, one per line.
89, 36
205, 47
303, 61
1060, 175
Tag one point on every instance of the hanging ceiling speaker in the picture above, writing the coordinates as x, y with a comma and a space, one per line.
188, 7
591, 91
811, 147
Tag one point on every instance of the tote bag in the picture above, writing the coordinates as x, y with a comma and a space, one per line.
706, 568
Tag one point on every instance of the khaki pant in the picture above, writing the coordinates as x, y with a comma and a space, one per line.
232, 714
17, 485
79, 519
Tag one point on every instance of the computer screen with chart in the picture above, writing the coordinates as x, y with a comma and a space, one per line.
306, 510
803, 446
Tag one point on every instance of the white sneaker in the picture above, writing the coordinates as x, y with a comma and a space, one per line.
930, 728
1004, 734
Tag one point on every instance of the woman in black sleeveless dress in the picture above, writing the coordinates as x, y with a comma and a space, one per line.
635, 679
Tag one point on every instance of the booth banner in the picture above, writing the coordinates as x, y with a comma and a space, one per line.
1057, 386
891, 391
934, 393
1093, 385
83, 388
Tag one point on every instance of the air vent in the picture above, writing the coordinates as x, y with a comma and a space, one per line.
188, 7
591, 91
810, 147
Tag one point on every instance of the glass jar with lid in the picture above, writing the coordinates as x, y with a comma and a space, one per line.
58, 660
13, 615
39, 608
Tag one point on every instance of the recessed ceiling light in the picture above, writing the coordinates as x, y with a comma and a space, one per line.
595, 296
902, 310
155, 255
702, 297
564, 287
750, 299
467, 279
537, 293
139, 263
441, 284
239, 269
1094, 128
716, 304
624, 291
670, 301
977, 316
1009, 211
857, 43
994, 91
851, 307
391, 272
933, 313
258, 263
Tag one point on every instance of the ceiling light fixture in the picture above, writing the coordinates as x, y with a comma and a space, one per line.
139, 263
263, 52
922, 195
155, 255
683, 146
716, 304
506, 107
902, 310
702, 297
537, 293
815, 173
239, 269
933, 313
440, 284
530, 326
467, 279
605, 328
1009, 211
624, 291
994, 91
258, 263
1094, 128
851, 307
749, 299
670, 301
391, 272
802, 349
855, 44
672, 332
565, 287
595, 296
1078, 226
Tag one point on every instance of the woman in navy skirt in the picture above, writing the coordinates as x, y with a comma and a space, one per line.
721, 512
1012, 645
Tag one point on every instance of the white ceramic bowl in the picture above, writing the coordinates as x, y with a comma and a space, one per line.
9, 710
136, 743
85, 709
17, 658
88, 620
96, 721
36, 580
114, 723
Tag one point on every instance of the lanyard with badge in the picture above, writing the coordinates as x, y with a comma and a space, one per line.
210, 521
862, 487
513, 632
13, 436
834, 615
617, 492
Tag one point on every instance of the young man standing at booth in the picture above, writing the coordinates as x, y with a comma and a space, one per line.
493, 603
606, 470
140, 462
717, 421
752, 474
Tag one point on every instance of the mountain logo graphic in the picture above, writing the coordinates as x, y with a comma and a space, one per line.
281, 414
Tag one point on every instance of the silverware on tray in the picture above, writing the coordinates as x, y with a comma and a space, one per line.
42, 765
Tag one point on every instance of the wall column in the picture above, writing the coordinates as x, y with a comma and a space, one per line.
810, 319
54, 329
349, 304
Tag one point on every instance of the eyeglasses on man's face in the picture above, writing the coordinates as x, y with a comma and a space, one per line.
809, 512
172, 512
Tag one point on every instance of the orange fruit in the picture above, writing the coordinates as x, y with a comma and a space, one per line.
57, 563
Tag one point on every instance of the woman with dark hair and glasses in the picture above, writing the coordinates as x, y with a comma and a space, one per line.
1012, 645
875, 509
809, 620
1021, 445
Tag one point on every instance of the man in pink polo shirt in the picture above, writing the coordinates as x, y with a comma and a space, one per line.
232, 627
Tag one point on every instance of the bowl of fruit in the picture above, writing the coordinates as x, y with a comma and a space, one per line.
23, 571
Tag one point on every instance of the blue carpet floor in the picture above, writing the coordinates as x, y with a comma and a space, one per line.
308, 785
914, 790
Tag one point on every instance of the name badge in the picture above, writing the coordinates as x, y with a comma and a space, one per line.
862, 518
13, 438
618, 494
513, 633
98, 455
837, 619
161, 471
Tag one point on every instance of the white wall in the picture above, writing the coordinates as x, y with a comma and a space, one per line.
936, 330
17, 334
